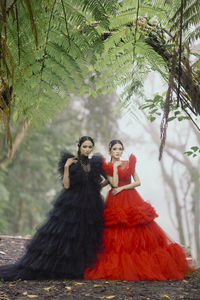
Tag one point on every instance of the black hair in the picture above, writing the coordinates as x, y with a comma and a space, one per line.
82, 140
114, 142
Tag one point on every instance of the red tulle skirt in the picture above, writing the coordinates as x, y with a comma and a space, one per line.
135, 247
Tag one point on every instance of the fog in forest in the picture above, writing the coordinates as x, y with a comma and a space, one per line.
170, 185
181, 135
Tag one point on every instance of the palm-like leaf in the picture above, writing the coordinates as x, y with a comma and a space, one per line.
50, 47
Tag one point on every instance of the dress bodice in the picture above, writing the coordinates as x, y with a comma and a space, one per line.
124, 171
80, 175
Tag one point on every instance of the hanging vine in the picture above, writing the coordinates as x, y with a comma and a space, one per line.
18, 35
168, 102
66, 23
136, 27
180, 53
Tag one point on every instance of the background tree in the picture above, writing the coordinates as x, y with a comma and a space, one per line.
154, 35
52, 50
180, 173
31, 181
49, 48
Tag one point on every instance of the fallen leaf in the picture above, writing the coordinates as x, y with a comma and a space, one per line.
68, 288
12, 284
29, 296
109, 297
166, 297
48, 288
78, 283
96, 285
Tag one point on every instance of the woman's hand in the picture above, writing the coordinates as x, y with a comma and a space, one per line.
117, 190
104, 183
115, 179
70, 161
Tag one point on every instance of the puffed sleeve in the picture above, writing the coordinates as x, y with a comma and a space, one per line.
132, 163
107, 167
97, 171
63, 158
97, 161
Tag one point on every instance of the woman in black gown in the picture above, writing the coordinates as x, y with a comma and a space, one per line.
67, 243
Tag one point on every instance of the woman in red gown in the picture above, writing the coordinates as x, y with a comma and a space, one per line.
135, 247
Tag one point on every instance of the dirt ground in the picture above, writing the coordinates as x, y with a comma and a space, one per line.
12, 247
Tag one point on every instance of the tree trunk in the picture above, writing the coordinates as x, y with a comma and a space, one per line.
170, 182
196, 208
16, 143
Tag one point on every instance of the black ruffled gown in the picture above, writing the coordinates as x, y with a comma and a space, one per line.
67, 243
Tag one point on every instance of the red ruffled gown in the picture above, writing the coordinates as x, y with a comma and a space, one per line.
135, 247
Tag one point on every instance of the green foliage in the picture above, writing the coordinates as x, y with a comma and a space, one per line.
191, 14
52, 50
194, 151
118, 59
31, 181
63, 59
154, 108
47, 71
150, 48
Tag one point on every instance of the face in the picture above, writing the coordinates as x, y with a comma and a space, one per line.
86, 148
116, 151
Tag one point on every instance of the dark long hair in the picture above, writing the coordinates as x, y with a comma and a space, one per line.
114, 142
82, 140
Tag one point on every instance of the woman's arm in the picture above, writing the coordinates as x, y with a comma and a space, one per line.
114, 180
128, 186
66, 179
105, 183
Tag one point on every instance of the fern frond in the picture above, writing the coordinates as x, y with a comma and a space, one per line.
18, 37
10, 4
152, 57
66, 59
95, 7
32, 21
191, 15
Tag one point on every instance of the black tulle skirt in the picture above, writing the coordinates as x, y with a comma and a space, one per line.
67, 243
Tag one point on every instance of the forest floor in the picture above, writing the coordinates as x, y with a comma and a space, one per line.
12, 247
